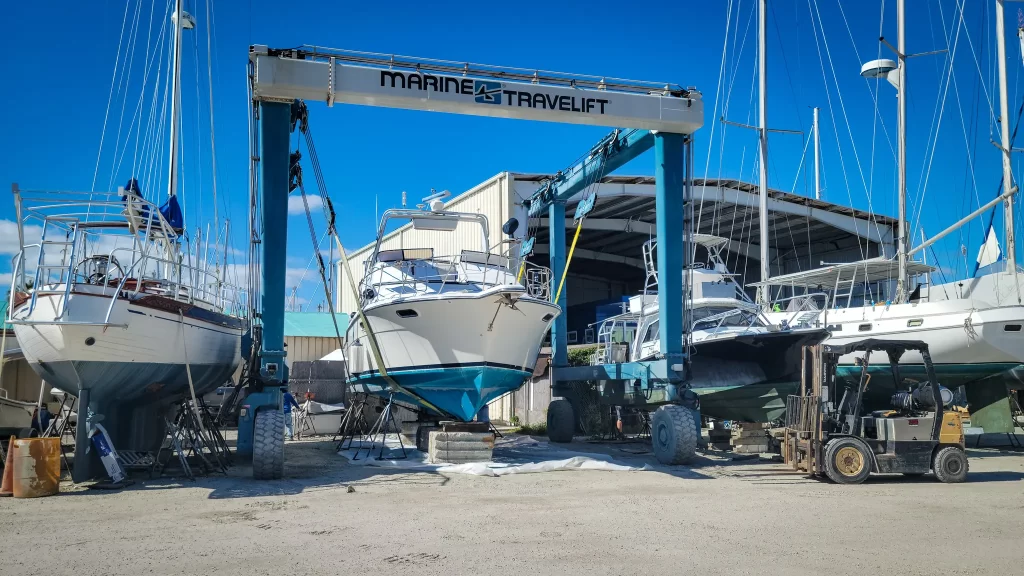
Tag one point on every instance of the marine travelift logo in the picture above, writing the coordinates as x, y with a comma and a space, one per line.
487, 92
490, 92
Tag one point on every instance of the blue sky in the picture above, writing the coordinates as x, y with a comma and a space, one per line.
58, 64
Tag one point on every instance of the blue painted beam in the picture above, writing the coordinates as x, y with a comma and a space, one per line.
556, 256
612, 152
669, 201
647, 372
275, 130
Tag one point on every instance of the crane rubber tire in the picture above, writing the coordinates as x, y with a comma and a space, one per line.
561, 421
674, 434
268, 445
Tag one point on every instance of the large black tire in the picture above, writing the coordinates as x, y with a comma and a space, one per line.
847, 461
951, 465
268, 445
674, 434
423, 437
561, 421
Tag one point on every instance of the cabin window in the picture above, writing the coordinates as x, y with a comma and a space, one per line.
90, 340
652, 332
407, 313
864, 328
1011, 328
915, 322
547, 318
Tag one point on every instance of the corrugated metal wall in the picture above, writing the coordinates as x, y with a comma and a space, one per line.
491, 198
20, 381
502, 408
305, 348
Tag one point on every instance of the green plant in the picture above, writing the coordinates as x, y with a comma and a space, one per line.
581, 356
538, 429
514, 421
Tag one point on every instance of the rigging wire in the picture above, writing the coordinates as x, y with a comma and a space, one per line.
110, 97
949, 79
126, 79
831, 110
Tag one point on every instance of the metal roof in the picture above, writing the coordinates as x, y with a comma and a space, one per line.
868, 271
736, 185
313, 324
735, 221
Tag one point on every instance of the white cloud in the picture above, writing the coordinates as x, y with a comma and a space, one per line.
9, 236
296, 206
5, 281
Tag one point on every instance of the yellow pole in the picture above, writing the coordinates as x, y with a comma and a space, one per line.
579, 226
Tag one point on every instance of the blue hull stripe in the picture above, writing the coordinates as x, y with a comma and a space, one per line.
460, 390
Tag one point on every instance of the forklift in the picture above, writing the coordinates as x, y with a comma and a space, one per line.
920, 433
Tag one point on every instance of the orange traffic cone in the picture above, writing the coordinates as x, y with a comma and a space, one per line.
7, 486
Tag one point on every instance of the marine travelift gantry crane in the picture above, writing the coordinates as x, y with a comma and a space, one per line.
661, 116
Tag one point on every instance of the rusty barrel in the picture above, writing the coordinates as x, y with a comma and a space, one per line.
36, 467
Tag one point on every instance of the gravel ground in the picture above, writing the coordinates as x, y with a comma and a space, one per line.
716, 517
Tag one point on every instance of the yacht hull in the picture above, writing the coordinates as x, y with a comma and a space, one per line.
748, 377
456, 354
136, 365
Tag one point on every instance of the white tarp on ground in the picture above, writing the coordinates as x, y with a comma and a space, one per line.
512, 455
314, 407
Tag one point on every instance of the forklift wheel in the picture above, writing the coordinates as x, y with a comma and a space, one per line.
846, 461
951, 464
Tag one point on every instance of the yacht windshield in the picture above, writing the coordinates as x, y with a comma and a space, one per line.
714, 316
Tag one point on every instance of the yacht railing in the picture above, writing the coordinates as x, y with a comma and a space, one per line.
806, 309
84, 220
406, 277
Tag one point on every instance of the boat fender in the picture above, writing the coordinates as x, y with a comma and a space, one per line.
105, 448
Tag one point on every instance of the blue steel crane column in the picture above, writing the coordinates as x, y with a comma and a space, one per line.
669, 170
275, 165
677, 423
275, 128
556, 232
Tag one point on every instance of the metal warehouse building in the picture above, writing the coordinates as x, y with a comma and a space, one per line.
607, 265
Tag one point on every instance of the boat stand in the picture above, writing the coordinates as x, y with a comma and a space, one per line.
353, 424
188, 439
1016, 415
380, 428
60, 426
305, 423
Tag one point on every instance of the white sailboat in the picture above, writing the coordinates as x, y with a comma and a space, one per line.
973, 328
109, 303
454, 331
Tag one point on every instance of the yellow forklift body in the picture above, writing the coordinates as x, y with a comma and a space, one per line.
952, 431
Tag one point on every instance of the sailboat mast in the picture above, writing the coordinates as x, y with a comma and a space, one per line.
1004, 134
902, 246
172, 183
762, 65
817, 158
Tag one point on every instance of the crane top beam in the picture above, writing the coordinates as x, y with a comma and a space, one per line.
610, 153
333, 76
